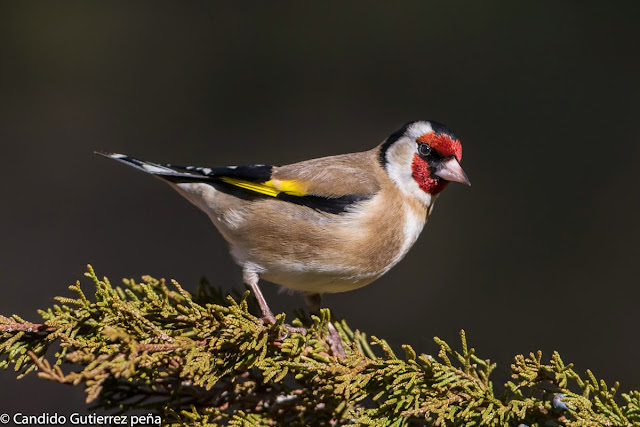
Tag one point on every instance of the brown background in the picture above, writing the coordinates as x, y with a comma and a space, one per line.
541, 253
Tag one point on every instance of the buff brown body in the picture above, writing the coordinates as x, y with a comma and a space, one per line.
324, 225
304, 249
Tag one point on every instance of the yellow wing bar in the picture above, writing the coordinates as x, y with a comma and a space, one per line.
272, 188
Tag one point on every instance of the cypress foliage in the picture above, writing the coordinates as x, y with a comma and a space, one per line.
207, 359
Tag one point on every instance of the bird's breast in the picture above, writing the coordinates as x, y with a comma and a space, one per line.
303, 249
345, 253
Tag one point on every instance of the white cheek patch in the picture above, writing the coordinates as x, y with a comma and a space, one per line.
399, 159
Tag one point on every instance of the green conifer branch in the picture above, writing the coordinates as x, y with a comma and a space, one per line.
207, 359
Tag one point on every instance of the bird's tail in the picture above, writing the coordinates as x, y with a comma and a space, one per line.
169, 172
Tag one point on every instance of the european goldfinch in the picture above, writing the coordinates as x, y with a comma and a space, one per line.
323, 225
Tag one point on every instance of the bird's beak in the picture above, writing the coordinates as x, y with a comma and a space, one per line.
450, 170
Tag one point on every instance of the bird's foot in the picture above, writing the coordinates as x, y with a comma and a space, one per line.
288, 329
295, 329
333, 338
335, 342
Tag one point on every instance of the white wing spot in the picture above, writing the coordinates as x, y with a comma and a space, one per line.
155, 169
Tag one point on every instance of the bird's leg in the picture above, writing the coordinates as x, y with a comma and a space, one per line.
314, 302
251, 278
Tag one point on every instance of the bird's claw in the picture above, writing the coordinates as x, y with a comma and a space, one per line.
335, 342
333, 338
288, 329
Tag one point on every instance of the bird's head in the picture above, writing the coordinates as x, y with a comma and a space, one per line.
422, 157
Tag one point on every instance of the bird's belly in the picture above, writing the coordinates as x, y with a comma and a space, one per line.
321, 282
304, 250
315, 269
319, 273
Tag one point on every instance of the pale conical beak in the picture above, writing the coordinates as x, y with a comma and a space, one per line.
450, 170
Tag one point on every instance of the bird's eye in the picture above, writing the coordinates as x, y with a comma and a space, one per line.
424, 149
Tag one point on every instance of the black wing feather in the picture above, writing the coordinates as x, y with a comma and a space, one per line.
252, 173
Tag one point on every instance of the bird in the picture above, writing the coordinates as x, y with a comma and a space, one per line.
325, 225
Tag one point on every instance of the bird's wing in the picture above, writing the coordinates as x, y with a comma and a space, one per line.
334, 176
330, 184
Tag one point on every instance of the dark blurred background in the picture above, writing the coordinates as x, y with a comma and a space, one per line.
541, 253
